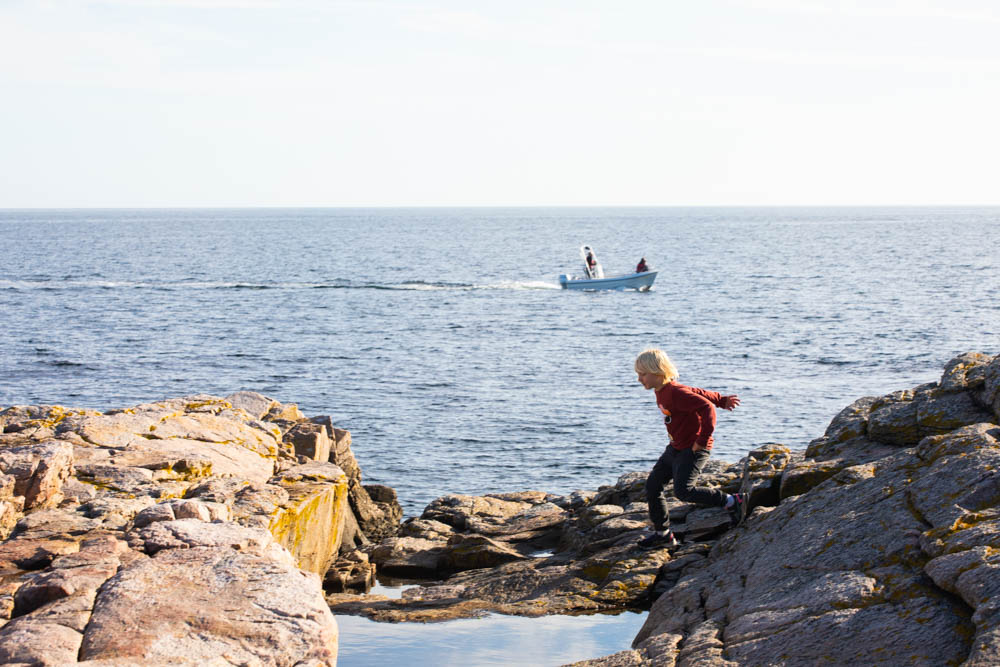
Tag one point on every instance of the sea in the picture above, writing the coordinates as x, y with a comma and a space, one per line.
441, 339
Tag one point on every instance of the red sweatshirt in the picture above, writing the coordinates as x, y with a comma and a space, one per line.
692, 414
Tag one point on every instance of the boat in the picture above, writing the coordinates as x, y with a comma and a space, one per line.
594, 278
636, 281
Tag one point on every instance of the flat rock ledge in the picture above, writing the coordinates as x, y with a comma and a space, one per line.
191, 531
533, 553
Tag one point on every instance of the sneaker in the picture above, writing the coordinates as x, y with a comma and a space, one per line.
659, 540
738, 512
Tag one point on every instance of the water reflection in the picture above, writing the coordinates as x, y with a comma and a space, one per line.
492, 640
384, 587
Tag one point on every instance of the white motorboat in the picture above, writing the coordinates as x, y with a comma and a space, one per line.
594, 278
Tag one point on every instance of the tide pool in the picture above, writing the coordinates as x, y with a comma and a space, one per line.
493, 640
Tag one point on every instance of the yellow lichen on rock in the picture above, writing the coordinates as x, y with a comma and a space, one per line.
310, 525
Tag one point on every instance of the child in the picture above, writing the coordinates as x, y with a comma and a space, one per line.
689, 414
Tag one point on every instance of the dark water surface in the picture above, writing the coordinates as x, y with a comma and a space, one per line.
440, 339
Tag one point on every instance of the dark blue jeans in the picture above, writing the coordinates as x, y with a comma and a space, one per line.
683, 467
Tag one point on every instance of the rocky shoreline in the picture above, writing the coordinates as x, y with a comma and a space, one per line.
194, 530
223, 531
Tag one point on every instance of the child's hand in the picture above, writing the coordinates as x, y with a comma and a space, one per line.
730, 402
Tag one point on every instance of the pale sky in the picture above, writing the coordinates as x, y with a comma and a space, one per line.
501, 102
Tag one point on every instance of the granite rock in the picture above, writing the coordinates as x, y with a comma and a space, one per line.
891, 560
177, 532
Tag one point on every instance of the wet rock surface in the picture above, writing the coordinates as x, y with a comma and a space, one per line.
193, 530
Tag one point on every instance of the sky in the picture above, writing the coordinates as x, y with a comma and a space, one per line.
190, 103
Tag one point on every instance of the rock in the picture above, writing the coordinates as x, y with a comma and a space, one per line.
575, 500
800, 476
530, 497
903, 418
468, 552
192, 533
11, 505
965, 372
457, 510
126, 480
96, 570
183, 509
942, 412
114, 512
38, 421
342, 450
893, 418
25, 642
595, 514
409, 556
196, 428
527, 524
989, 396
704, 523
219, 489
590, 559
78, 573
373, 521
375, 518
427, 529
310, 523
39, 471
288, 412
617, 525
848, 452
848, 556
352, 571
621, 659
52, 608
615, 578
257, 504
851, 422
767, 465
310, 440
385, 499
205, 602
629, 487
254, 404
851, 542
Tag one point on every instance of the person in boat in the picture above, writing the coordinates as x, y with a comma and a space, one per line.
641, 267
689, 415
591, 263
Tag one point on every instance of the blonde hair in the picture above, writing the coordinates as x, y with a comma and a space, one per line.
656, 362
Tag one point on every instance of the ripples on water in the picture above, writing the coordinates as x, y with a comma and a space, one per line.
441, 340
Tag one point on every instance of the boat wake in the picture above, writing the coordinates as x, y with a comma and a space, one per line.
411, 285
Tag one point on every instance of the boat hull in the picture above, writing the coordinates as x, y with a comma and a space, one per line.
636, 281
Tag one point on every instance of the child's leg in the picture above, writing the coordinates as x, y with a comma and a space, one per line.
688, 465
658, 478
